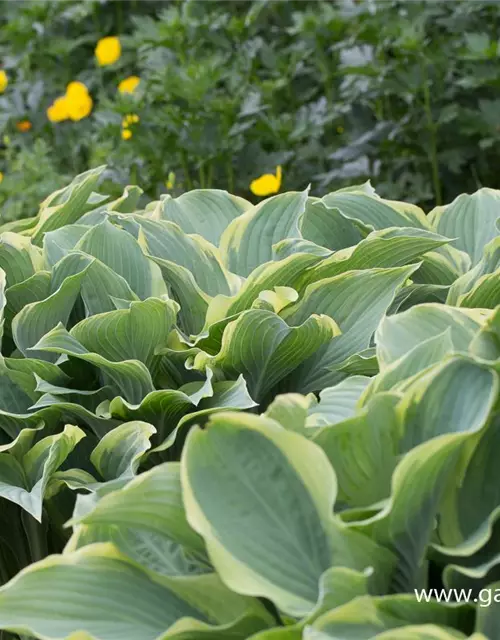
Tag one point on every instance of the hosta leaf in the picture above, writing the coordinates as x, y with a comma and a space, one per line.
425, 632
290, 246
488, 617
34, 289
204, 211
406, 522
290, 411
337, 403
126, 334
13, 399
183, 287
443, 266
120, 252
470, 509
247, 242
245, 473
284, 272
399, 334
363, 363
121, 601
485, 294
414, 294
275, 300
365, 617
101, 287
27, 372
430, 406
357, 301
147, 522
38, 318
262, 347
70, 265
127, 202
279, 633
471, 219
3, 302
375, 212
18, 258
419, 358
338, 586
489, 263
58, 243
421, 478
327, 227
164, 408
363, 450
486, 344
23, 479
386, 248
119, 452
66, 205
167, 241
130, 378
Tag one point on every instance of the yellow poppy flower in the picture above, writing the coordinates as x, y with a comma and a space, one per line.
267, 184
108, 50
129, 85
1, 176
76, 90
58, 110
4, 80
131, 118
126, 134
23, 125
79, 107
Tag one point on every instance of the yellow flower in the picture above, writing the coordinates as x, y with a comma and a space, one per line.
76, 90
340, 129
108, 50
131, 118
129, 85
4, 81
23, 125
75, 104
58, 110
126, 134
1, 176
267, 184
79, 107
170, 181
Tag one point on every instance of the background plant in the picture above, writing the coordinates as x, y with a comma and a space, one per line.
403, 93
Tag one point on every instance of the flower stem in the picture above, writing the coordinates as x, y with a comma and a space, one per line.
432, 127
230, 175
185, 168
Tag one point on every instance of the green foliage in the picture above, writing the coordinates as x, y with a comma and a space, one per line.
244, 432
404, 93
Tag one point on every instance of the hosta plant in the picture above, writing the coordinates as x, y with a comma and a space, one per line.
226, 420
